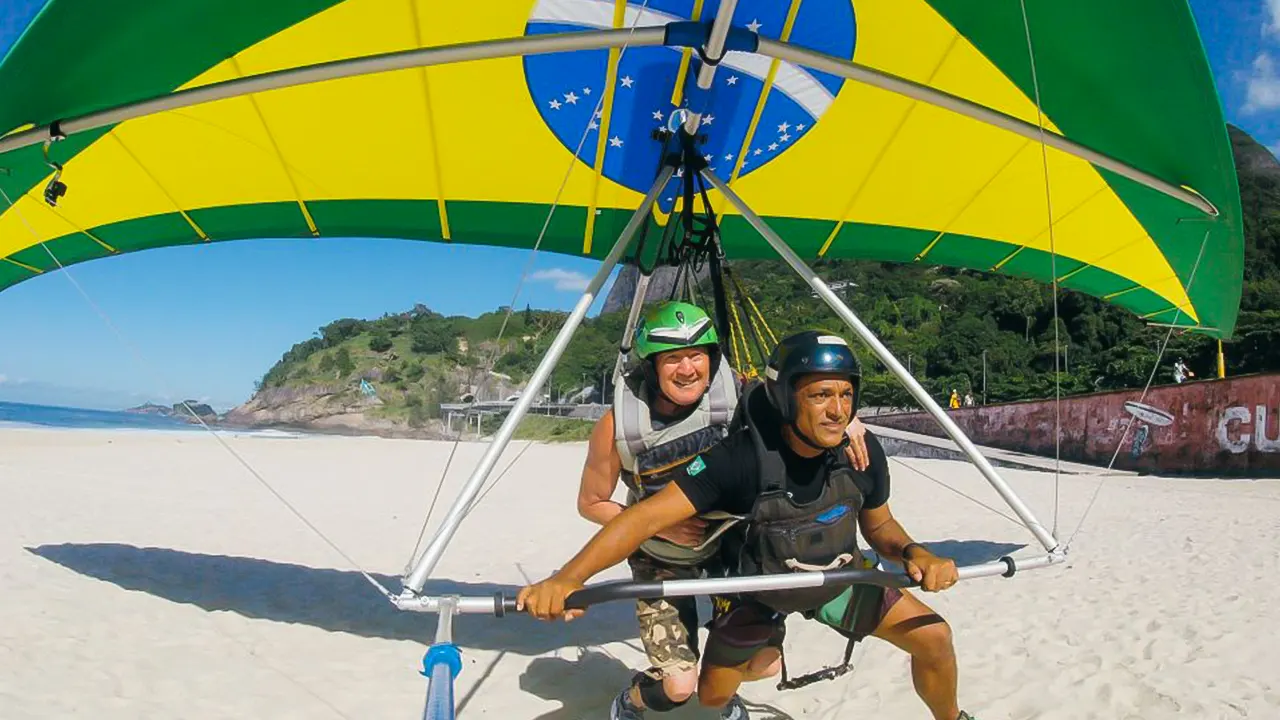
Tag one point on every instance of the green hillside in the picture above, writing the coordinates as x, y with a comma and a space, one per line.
940, 320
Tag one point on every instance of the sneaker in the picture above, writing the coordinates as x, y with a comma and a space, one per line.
735, 710
965, 716
622, 709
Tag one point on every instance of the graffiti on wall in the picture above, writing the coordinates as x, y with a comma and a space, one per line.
1238, 430
1213, 427
1145, 416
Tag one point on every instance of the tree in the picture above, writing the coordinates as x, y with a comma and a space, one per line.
380, 342
342, 359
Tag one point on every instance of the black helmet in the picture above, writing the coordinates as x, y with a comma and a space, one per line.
803, 353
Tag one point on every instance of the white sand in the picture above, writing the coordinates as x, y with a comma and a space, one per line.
149, 575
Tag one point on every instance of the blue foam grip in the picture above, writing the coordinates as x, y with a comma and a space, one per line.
741, 40
691, 34
686, 33
446, 653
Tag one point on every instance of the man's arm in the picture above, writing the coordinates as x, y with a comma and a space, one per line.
600, 478
887, 537
883, 533
600, 475
611, 545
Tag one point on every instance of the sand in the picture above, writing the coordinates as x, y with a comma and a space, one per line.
150, 575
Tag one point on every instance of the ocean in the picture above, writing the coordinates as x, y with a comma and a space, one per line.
23, 415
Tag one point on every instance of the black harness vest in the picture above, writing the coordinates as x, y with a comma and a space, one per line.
783, 536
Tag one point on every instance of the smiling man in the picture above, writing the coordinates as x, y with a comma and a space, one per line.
675, 405
782, 466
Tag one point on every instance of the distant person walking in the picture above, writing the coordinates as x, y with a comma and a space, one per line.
955, 399
968, 399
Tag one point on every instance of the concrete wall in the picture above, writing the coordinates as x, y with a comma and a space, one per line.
1216, 427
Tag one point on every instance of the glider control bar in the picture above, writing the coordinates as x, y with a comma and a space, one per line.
499, 604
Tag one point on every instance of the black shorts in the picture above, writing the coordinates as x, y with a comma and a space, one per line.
742, 627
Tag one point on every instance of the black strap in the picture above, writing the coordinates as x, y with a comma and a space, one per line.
827, 673
717, 292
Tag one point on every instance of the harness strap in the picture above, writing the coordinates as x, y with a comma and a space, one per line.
841, 560
829, 673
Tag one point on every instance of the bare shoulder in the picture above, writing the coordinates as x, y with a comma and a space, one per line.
602, 431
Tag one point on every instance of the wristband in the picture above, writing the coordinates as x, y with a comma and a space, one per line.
910, 545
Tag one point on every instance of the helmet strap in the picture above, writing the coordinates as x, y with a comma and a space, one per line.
795, 430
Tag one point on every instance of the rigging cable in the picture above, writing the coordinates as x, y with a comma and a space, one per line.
546, 223
1150, 380
141, 359
1053, 271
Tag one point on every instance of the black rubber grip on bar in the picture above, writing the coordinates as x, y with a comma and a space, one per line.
1013, 568
868, 577
503, 604
594, 595
610, 591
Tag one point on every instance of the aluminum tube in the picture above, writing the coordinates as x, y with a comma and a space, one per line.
924, 93
928, 403
444, 627
757, 583
476, 605
423, 57
998, 568
713, 49
720, 586
469, 492
633, 316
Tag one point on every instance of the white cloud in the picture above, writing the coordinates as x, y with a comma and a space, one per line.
562, 279
1271, 24
1263, 92
3, 378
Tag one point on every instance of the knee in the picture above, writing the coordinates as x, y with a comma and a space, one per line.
934, 644
679, 687
766, 663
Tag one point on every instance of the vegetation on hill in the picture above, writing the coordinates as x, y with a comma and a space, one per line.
940, 321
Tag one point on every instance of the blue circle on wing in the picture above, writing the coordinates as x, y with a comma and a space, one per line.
569, 88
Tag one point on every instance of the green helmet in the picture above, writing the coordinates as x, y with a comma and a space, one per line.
671, 326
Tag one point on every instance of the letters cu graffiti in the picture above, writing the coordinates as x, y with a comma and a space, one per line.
1237, 430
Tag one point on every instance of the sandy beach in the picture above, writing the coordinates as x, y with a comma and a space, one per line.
148, 574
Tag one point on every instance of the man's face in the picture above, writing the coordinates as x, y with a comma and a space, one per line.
683, 375
824, 407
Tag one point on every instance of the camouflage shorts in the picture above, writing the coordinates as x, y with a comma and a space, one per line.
668, 626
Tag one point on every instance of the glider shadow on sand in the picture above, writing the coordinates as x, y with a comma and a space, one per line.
343, 601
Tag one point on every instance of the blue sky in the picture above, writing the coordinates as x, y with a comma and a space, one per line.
206, 322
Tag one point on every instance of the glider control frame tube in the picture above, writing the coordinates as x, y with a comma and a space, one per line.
1045, 537
714, 51
349, 67
441, 665
586, 40
923, 93
633, 316
629, 589
462, 503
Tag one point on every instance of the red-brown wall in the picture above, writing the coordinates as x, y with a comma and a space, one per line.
1213, 427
